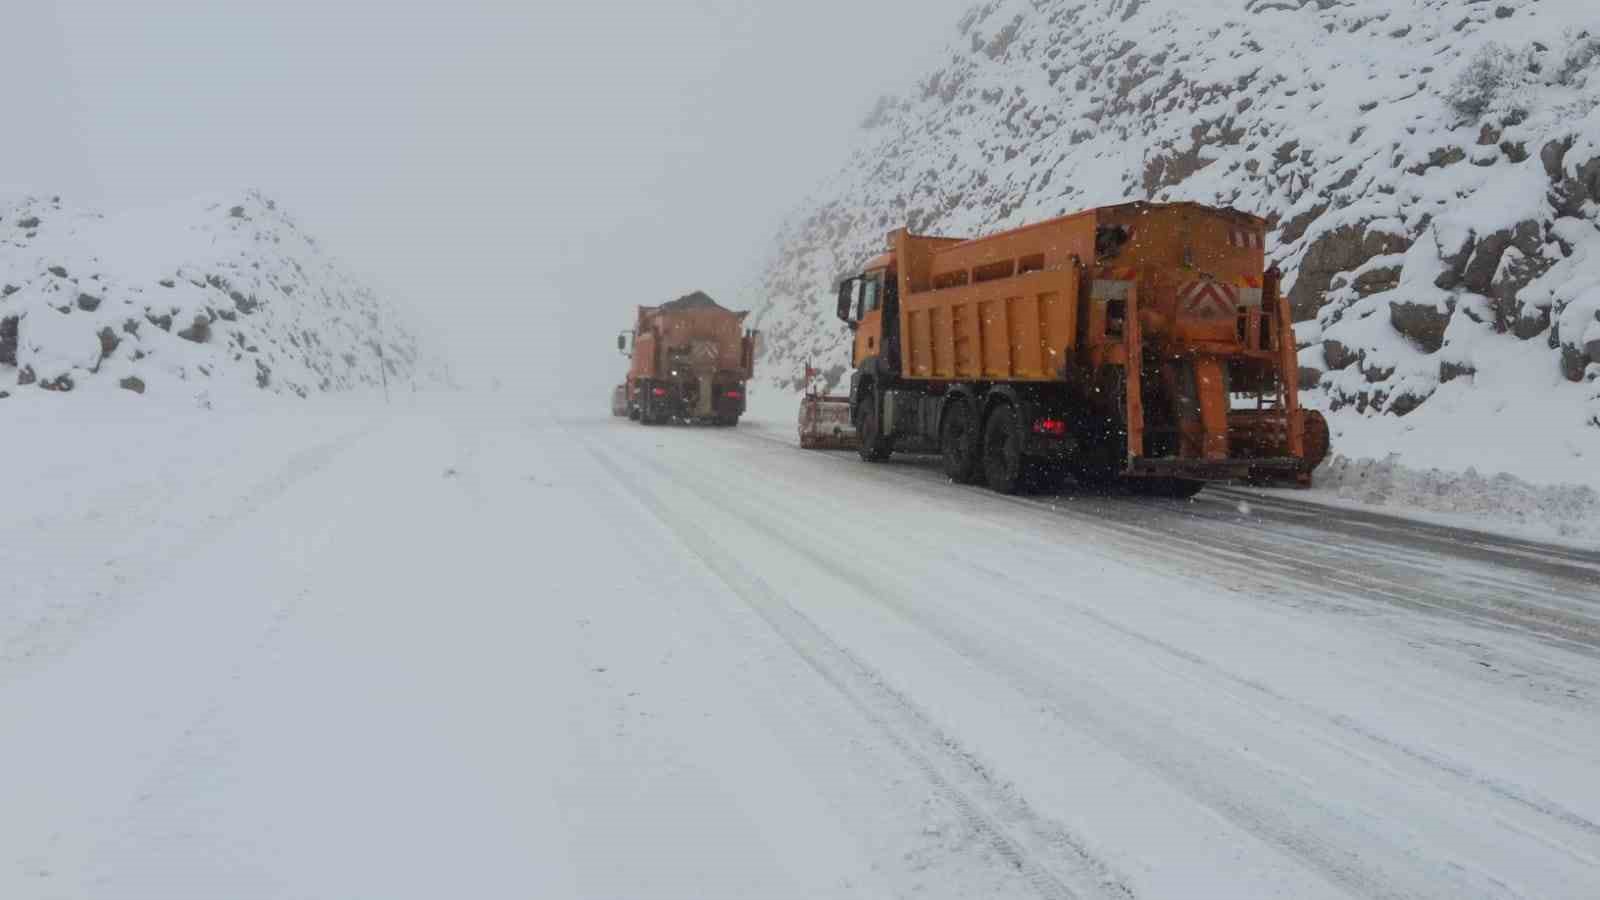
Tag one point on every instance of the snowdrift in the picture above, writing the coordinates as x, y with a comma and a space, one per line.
207, 299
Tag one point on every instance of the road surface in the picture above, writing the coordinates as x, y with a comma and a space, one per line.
452, 652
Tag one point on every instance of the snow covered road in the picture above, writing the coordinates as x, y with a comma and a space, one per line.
451, 653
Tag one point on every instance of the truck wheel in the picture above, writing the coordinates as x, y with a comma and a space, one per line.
959, 443
874, 445
1003, 464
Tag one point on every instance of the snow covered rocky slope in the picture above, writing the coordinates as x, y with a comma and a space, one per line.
206, 299
1431, 170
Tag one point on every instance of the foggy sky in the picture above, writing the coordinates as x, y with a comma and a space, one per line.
520, 174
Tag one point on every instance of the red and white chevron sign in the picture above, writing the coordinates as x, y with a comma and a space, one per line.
1250, 240
1207, 299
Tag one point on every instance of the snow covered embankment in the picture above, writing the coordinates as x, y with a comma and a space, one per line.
1431, 171
202, 300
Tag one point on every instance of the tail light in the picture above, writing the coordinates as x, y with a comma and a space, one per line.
1053, 427
733, 395
658, 392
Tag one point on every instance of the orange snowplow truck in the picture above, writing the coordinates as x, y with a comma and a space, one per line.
1144, 342
689, 360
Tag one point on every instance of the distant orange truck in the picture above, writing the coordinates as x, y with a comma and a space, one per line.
690, 360
1145, 343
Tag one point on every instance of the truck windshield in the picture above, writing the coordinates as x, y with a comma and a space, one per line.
871, 292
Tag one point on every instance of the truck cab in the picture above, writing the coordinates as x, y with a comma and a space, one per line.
866, 303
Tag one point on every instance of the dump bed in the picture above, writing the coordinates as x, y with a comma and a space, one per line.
689, 337
1006, 307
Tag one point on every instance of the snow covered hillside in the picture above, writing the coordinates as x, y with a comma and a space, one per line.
1431, 170
208, 298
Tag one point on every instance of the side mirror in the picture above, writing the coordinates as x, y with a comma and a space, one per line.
622, 343
847, 296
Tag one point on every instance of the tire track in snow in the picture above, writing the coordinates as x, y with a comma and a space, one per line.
1442, 765
906, 728
52, 637
1573, 631
1334, 844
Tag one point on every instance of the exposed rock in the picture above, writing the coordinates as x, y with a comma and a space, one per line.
58, 271
1479, 274
1378, 280
133, 383
9, 289
1533, 321
108, 342
1309, 377
29, 222
1406, 403
88, 302
1375, 374
1517, 270
1455, 262
162, 321
1423, 323
1574, 360
1340, 250
1450, 371
198, 332
1570, 191
25, 376
1444, 157
1338, 355
62, 383
1295, 228
8, 341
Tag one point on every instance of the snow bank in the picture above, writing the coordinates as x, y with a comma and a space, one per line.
1499, 502
209, 300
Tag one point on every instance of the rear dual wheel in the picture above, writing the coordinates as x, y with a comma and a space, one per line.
1005, 467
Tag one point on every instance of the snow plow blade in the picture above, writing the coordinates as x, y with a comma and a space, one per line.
825, 423
1316, 442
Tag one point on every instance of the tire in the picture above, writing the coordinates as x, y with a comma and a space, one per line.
1004, 467
875, 446
960, 443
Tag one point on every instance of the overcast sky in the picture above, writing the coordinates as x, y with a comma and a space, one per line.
525, 171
